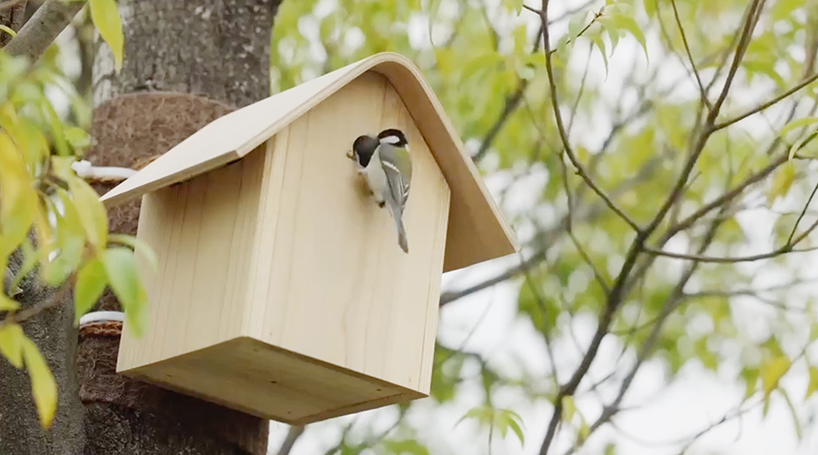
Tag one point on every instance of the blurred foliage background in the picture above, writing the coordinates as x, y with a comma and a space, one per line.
687, 261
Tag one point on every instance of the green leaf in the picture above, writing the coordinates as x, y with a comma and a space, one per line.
138, 246
773, 371
799, 431
628, 22
782, 182
77, 137
92, 212
568, 408
517, 6
106, 18
43, 386
812, 386
68, 257
11, 343
750, 376
797, 124
30, 260
7, 304
19, 199
123, 277
600, 44
483, 414
91, 281
796, 147
515, 427
406, 446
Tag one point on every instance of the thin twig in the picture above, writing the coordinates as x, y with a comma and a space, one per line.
766, 104
801, 216
727, 260
40, 307
690, 56
580, 169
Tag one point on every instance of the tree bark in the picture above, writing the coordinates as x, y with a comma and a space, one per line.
186, 63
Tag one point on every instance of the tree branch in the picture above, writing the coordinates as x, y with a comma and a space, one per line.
690, 56
10, 4
42, 29
42, 306
293, 434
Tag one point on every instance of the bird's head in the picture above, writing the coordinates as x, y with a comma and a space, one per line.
363, 148
393, 137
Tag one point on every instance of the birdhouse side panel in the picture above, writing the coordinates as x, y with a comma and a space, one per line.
340, 289
203, 233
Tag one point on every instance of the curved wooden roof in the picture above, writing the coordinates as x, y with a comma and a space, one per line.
477, 231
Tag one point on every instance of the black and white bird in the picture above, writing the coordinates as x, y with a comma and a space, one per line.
386, 165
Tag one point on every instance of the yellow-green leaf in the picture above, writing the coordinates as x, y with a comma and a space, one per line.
106, 18
772, 372
812, 387
796, 147
43, 386
92, 213
7, 304
799, 431
139, 246
568, 408
123, 277
29, 262
11, 343
91, 281
19, 199
797, 124
782, 182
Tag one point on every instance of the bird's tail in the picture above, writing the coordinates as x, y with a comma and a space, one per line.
394, 207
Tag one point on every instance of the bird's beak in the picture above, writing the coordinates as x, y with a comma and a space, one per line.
351, 155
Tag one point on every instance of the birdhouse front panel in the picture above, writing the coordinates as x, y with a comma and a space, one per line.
340, 288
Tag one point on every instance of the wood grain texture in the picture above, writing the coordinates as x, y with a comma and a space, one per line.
477, 231
286, 250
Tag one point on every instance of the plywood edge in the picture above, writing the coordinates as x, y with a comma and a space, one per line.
154, 177
145, 373
403, 397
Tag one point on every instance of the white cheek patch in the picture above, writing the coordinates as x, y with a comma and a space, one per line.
391, 139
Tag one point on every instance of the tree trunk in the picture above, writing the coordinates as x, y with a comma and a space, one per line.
186, 64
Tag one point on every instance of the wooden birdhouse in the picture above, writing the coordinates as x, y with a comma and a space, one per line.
281, 290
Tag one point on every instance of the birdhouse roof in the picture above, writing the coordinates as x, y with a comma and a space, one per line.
476, 231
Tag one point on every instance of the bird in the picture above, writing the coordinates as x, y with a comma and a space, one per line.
386, 165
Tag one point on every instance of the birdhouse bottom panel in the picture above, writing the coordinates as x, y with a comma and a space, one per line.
253, 377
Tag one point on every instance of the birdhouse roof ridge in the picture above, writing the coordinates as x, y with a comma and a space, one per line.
473, 212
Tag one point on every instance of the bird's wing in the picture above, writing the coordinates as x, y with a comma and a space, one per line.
397, 166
